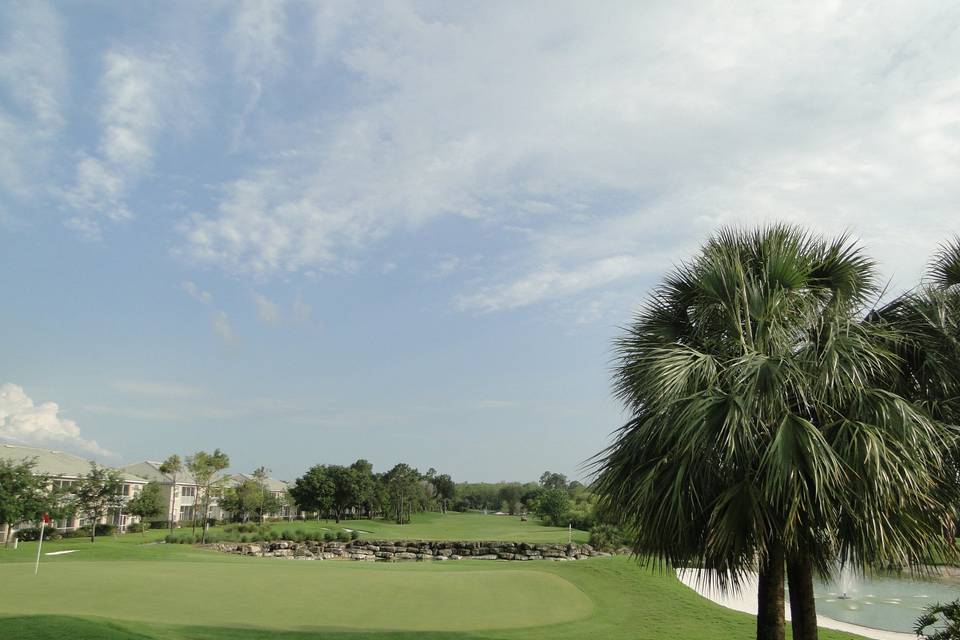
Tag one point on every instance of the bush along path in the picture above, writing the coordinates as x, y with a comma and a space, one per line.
396, 550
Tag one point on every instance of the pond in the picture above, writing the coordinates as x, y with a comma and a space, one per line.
892, 603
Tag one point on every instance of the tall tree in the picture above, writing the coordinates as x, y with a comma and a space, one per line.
260, 476
551, 480
313, 491
762, 433
24, 494
248, 499
148, 503
446, 490
97, 495
366, 485
403, 485
205, 468
172, 467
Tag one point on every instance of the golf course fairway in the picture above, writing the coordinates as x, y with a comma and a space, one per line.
295, 595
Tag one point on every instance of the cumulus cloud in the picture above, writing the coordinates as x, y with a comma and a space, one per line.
24, 422
648, 118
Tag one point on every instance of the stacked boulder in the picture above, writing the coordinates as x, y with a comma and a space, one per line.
400, 550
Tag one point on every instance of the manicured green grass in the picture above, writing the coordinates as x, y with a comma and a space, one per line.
291, 595
126, 587
450, 526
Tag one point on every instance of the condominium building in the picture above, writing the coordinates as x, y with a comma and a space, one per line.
66, 469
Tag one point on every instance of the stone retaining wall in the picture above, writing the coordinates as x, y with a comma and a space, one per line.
397, 550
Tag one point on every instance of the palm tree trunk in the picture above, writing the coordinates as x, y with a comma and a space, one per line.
803, 609
770, 620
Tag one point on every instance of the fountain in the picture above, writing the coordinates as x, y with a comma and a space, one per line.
846, 580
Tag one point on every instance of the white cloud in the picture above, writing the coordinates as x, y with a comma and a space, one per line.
255, 41
23, 422
32, 95
267, 310
223, 327
644, 116
196, 292
141, 95
159, 389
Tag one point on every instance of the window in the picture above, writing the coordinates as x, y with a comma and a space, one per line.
188, 492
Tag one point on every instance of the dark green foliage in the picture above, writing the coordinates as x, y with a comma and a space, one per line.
97, 495
343, 536
328, 536
354, 535
552, 505
944, 620
762, 420
32, 534
607, 537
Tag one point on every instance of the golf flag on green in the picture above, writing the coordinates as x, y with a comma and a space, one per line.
43, 523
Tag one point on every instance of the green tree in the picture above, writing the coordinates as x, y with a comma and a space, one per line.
172, 467
313, 491
403, 487
248, 499
552, 505
509, 496
446, 490
146, 504
365, 485
24, 494
763, 432
205, 468
97, 495
346, 489
550, 480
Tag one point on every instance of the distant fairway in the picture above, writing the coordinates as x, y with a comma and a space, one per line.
296, 595
449, 526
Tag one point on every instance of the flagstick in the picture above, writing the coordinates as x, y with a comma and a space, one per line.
36, 568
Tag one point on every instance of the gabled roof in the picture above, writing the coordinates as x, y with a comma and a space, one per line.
150, 470
272, 484
56, 463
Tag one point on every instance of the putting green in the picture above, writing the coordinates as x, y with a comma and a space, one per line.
296, 595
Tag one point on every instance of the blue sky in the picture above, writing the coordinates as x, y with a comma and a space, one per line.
315, 231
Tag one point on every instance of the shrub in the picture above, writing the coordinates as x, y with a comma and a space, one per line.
138, 527
328, 536
287, 534
354, 535
244, 538
33, 533
273, 536
299, 535
170, 538
606, 537
343, 536
159, 524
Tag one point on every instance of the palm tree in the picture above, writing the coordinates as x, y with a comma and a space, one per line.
171, 467
759, 434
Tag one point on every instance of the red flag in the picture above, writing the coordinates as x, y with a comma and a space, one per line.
46, 518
